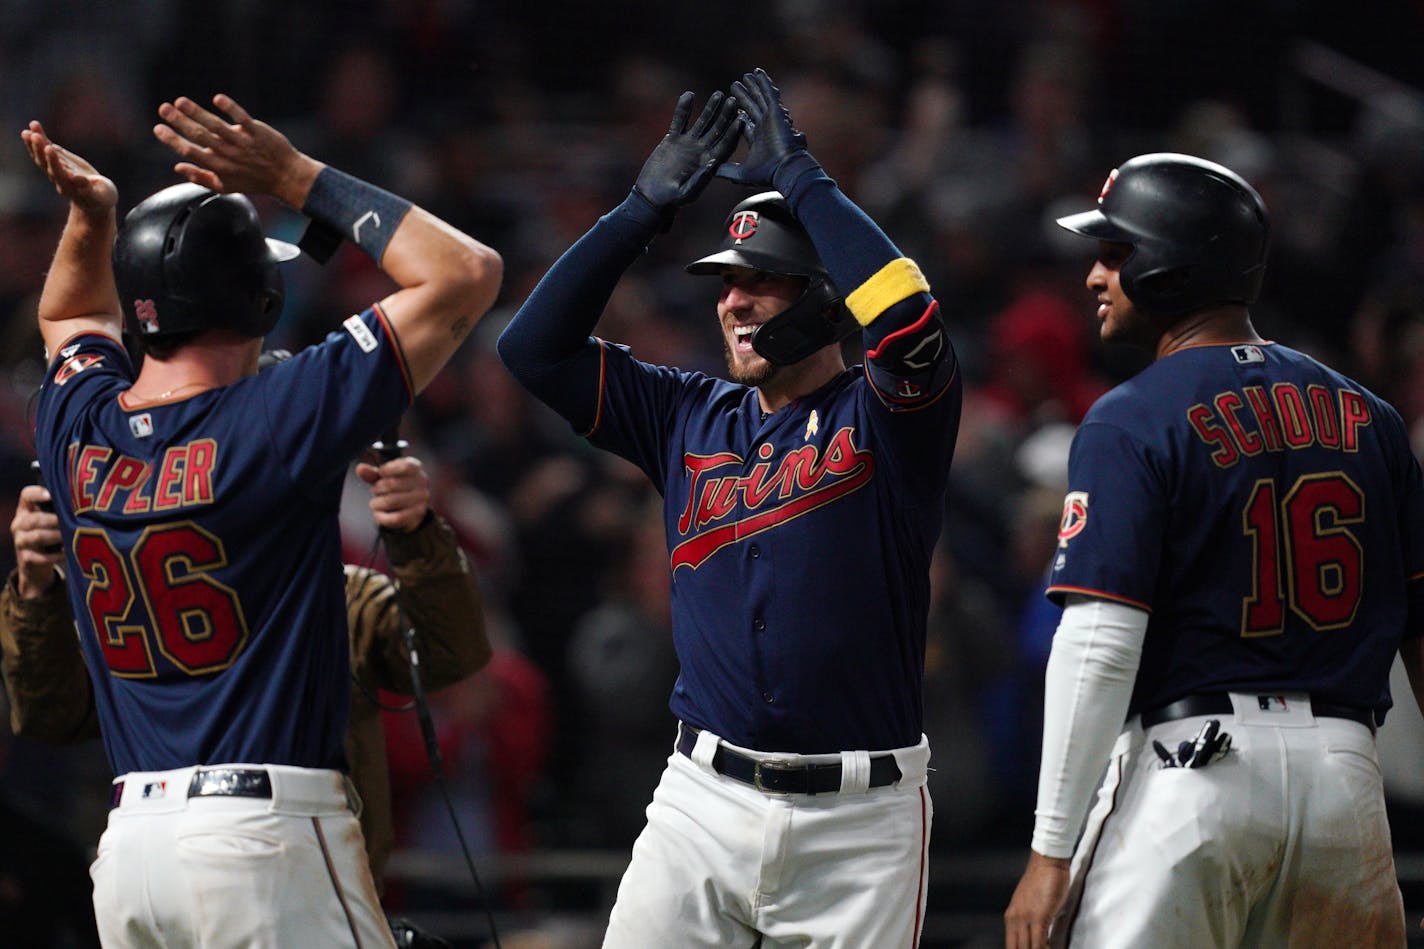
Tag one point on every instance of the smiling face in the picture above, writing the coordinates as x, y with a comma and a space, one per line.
1119, 319
749, 298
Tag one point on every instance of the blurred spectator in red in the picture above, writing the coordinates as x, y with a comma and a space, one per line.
1038, 369
493, 733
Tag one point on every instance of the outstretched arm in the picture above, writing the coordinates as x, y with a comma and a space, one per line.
907, 348
79, 294
448, 279
547, 346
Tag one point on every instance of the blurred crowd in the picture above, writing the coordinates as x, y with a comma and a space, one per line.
963, 127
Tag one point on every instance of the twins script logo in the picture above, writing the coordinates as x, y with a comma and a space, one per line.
803, 480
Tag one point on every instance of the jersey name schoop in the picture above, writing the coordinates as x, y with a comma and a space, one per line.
1245, 422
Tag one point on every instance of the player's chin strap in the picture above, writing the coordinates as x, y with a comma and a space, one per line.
388, 448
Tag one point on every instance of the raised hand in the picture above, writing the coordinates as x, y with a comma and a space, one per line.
400, 492
770, 133
72, 176
35, 532
687, 158
234, 152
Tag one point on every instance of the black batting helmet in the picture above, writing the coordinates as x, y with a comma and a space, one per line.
188, 259
762, 234
1198, 233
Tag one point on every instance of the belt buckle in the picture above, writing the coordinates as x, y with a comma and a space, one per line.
785, 767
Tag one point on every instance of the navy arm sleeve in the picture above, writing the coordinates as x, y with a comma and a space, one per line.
908, 355
547, 345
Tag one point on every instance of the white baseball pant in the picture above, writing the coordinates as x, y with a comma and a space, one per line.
224, 871
1282, 842
720, 862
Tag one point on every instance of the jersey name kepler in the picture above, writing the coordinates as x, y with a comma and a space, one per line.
101, 481
765, 493
1247, 422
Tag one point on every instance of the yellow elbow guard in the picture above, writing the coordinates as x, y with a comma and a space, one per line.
897, 280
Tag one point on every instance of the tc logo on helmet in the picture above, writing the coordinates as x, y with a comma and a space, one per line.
147, 313
744, 225
1107, 185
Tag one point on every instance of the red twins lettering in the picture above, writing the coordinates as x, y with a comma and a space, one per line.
821, 479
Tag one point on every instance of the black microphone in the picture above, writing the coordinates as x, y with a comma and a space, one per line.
422, 706
390, 445
46, 506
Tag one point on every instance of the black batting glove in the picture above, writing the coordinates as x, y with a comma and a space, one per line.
686, 159
771, 136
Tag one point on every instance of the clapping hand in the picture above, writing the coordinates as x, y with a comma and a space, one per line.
682, 164
769, 130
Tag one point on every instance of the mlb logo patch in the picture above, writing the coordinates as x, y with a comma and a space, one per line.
141, 425
155, 789
361, 333
1272, 703
1247, 353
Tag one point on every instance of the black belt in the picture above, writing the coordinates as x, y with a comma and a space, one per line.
784, 778
219, 782
1219, 703
231, 782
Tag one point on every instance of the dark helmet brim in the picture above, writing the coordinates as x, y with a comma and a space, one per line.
1097, 225
281, 250
712, 264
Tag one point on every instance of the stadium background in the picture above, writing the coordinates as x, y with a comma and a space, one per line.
964, 126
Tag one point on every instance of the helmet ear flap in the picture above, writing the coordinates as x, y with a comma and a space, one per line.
816, 319
1165, 284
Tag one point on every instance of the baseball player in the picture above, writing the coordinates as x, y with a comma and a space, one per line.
52, 699
1239, 560
198, 506
801, 503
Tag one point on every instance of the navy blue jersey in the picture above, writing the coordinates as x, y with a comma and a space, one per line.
800, 540
800, 544
202, 542
1267, 510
